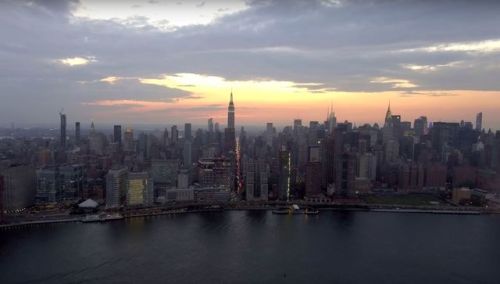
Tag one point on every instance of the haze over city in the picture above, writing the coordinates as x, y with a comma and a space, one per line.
160, 62
250, 141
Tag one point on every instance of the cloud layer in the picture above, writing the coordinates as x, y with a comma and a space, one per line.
55, 55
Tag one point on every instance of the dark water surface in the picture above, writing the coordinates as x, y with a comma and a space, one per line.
258, 247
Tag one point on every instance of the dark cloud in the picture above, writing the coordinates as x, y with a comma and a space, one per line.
341, 45
60, 6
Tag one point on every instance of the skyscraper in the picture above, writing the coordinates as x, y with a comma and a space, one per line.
187, 154
284, 177
297, 123
188, 136
313, 172
116, 187
77, 132
210, 125
230, 113
230, 132
388, 116
63, 130
174, 134
117, 134
420, 126
479, 121
128, 137
331, 120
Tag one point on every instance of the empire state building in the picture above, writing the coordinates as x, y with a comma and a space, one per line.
230, 113
230, 133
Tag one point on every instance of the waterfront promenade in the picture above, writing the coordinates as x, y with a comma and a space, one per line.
200, 207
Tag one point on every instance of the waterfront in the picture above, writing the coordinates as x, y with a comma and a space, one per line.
256, 246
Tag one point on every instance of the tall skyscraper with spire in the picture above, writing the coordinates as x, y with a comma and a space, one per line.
331, 119
230, 113
388, 129
388, 116
230, 131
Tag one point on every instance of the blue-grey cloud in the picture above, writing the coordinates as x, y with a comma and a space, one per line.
342, 45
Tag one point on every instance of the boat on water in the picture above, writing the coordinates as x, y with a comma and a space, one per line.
295, 210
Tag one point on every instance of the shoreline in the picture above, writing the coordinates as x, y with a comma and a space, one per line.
321, 207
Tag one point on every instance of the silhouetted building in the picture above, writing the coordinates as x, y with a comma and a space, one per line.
444, 136
230, 113
421, 126
62, 142
174, 135
187, 154
77, 133
188, 136
479, 121
117, 134
210, 125
230, 131
345, 173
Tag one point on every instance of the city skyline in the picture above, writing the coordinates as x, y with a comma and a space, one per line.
135, 61
249, 141
477, 122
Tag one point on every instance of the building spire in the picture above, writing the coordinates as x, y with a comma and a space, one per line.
230, 112
388, 114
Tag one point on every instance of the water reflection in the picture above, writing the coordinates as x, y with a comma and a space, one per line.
256, 216
257, 247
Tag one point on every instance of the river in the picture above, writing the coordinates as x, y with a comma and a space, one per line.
258, 247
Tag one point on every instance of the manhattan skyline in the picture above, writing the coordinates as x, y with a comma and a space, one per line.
138, 61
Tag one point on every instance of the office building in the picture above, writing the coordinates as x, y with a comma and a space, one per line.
139, 189
116, 187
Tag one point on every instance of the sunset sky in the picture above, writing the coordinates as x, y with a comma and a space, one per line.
168, 62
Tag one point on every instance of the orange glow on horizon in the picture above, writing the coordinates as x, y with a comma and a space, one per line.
260, 101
